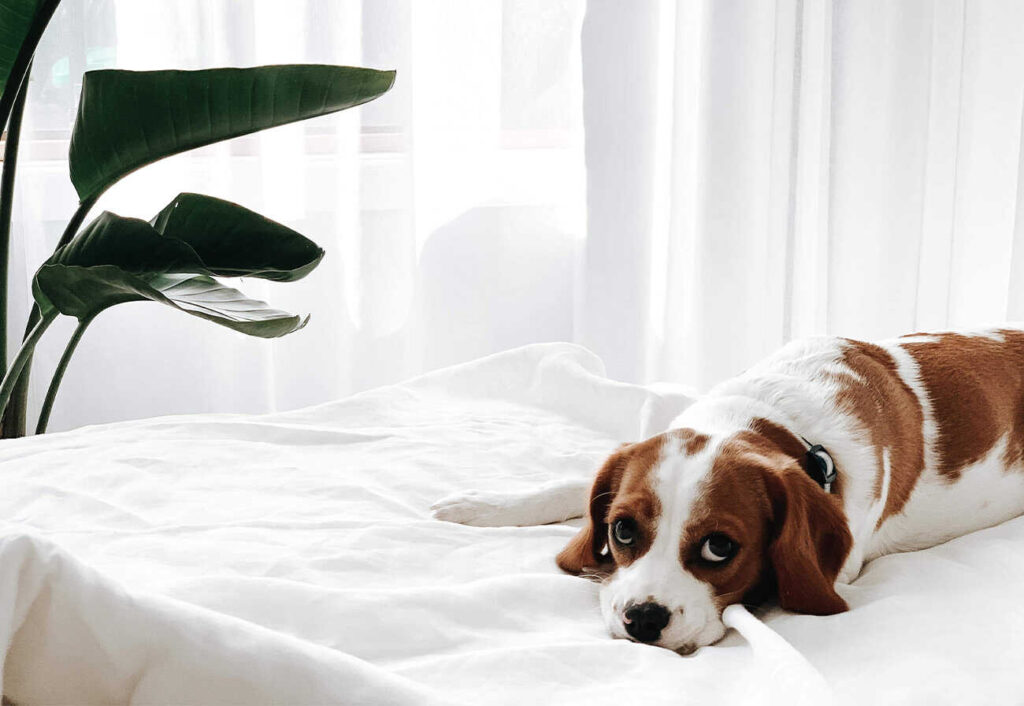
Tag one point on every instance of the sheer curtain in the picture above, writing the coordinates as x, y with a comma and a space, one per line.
751, 171
797, 167
451, 209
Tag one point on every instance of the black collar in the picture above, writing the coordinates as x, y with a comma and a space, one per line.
820, 466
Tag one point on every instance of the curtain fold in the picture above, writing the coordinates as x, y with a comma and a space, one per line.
832, 168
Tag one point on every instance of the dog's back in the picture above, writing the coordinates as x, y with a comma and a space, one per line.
972, 401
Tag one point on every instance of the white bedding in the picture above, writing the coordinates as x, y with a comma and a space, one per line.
292, 559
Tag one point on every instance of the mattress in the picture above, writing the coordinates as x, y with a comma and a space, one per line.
291, 558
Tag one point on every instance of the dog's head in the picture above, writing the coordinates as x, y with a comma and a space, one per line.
684, 524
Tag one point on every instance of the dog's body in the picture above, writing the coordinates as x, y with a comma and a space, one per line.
926, 433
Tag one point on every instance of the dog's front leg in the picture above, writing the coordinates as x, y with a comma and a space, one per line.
553, 502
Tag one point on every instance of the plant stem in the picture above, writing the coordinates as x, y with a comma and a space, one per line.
13, 424
76, 220
12, 421
58, 375
7, 205
65, 238
24, 355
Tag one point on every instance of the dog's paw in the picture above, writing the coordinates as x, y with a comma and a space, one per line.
477, 508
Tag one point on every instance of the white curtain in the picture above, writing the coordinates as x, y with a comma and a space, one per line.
797, 167
752, 171
451, 209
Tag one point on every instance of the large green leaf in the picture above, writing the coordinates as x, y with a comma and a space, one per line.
127, 119
16, 20
83, 292
197, 234
233, 241
131, 244
117, 259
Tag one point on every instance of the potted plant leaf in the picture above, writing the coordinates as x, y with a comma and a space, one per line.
125, 121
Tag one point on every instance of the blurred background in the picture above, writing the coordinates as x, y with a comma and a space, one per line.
680, 187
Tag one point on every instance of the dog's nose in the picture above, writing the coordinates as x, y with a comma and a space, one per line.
645, 622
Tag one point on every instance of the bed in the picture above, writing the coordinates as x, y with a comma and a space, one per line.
291, 558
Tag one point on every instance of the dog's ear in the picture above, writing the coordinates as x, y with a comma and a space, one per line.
587, 549
810, 543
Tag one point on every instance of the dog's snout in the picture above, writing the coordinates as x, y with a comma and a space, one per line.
644, 622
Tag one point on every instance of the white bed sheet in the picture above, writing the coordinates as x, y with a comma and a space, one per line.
291, 558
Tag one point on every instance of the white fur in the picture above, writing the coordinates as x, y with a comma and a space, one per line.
658, 575
553, 502
985, 494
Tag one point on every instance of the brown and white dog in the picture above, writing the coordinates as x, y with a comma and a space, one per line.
926, 434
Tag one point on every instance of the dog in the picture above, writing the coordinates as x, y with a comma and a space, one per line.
786, 480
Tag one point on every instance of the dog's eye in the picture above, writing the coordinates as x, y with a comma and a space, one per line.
717, 548
624, 532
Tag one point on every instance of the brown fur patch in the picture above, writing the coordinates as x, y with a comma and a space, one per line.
810, 543
890, 414
976, 392
790, 533
734, 502
693, 442
622, 489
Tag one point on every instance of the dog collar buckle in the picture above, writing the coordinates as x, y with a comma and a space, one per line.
821, 467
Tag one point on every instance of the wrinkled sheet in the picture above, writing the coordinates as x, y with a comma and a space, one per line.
291, 558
